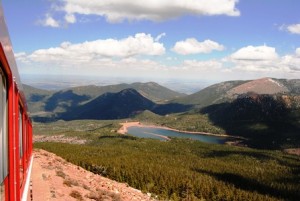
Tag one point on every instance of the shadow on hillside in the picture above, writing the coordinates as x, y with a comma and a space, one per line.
164, 109
127, 137
256, 155
251, 185
36, 97
64, 100
290, 160
265, 121
101, 127
73, 110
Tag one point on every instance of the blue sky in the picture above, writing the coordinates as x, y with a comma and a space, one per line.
158, 39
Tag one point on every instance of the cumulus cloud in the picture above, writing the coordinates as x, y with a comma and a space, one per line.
292, 61
255, 53
112, 57
21, 56
140, 44
154, 10
294, 28
70, 18
260, 59
49, 21
192, 46
298, 51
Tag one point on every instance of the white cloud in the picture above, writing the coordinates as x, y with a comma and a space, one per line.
292, 61
20, 54
260, 59
192, 46
49, 21
140, 44
294, 28
255, 53
154, 10
159, 37
114, 58
298, 51
70, 18
203, 65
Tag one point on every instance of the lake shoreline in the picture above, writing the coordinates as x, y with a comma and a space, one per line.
124, 129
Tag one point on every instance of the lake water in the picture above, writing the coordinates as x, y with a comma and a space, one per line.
158, 133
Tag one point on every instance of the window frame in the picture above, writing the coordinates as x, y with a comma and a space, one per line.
3, 132
21, 123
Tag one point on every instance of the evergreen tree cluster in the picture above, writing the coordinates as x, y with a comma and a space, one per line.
187, 169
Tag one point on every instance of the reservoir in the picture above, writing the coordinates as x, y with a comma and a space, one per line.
161, 134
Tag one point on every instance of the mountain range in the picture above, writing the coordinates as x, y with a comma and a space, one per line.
124, 100
229, 90
264, 111
47, 105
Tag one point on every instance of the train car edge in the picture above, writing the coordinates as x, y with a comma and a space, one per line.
16, 156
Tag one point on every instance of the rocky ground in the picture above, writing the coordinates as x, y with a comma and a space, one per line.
55, 179
58, 138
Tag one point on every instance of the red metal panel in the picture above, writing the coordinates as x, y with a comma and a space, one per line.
22, 167
6, 189
11, 140
30, 139
17, 150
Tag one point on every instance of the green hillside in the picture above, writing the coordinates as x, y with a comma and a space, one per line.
293, 85
36, 98
267, 120
150, 90
178, 169
110, 106
227, 91
46, 105
210, 95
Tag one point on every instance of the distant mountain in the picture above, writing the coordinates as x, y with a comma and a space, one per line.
260, 86
249, 107
111, 106
34, 95
230, 90
62, 101
36, 98
45, 104
92, 102
266, 120
150, 90
265, 111
292, 85
209, 95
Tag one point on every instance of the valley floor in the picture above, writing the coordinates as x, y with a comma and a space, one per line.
55, 179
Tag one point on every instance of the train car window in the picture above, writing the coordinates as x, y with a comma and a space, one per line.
3, 135
20, 133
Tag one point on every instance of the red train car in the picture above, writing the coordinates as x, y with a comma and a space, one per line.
15, 126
